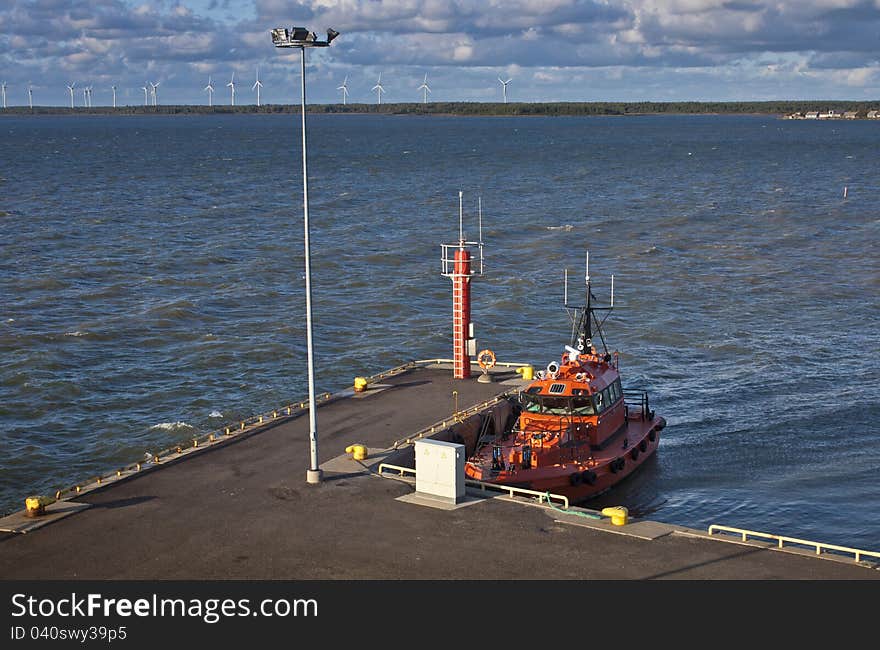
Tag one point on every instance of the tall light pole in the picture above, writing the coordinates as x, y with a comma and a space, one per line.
302, 38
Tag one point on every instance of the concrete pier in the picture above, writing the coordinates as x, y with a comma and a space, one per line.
243, 510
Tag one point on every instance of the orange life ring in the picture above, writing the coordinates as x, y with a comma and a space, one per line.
486, 359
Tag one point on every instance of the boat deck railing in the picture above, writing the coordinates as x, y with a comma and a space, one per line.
636, 397
781, 541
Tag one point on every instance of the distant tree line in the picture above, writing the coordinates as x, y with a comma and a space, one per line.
474, 108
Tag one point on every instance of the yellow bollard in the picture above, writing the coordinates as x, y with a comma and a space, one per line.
360, 384
36, 506
358, 452
527, 372
618, 515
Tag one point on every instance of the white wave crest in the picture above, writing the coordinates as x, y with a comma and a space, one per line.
215, 414
567, 227
171, 426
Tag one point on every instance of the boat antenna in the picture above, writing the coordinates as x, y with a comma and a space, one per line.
583, 318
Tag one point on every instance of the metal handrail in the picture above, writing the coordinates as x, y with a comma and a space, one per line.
781, 540
503, 364
400, 468
511, 490
641, 396
457, 417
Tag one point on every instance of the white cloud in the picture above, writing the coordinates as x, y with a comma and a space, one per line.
860, 76
832, 43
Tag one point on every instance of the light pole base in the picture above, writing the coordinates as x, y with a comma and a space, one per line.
313, 476
484, 378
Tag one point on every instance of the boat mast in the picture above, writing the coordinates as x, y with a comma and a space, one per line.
583, 318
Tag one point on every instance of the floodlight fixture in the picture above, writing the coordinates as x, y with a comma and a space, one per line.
300, 37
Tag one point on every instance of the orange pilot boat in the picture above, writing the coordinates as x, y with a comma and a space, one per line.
578, 431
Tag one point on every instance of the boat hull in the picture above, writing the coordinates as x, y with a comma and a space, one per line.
582, 480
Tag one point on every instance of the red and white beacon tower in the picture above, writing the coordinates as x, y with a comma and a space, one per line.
461, 265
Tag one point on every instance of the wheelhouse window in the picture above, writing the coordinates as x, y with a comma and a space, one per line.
556, 405
582, 405
531, 403
577, 405
616, 391
609, 396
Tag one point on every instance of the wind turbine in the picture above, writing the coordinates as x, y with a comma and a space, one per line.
154, 89
210, 90
425, 89
89, 94
257, 86
231, 85
70, 88
86, 96
30, 96
144, 88
344, 89
114, 96
379, 89
504, 87
3, 93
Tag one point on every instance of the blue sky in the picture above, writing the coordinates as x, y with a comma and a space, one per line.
553, 50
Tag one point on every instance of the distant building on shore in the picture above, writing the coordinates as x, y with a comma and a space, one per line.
833, 114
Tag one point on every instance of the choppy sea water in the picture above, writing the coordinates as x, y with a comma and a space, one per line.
151, 286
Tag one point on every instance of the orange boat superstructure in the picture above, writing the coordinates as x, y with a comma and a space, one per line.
578, 431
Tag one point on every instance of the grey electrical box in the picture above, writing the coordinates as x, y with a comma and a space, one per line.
440, 470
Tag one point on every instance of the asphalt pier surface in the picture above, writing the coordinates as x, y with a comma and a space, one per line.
243, 510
